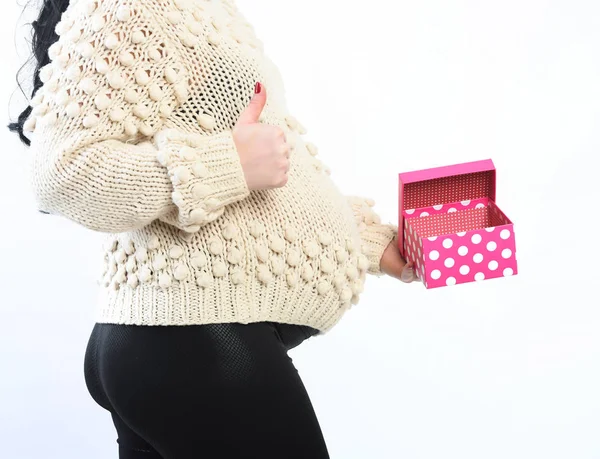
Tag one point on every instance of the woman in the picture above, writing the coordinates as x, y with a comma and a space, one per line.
163, 124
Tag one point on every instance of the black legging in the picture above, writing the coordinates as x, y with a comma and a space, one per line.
204, 391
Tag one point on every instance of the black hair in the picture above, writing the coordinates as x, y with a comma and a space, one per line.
43, 37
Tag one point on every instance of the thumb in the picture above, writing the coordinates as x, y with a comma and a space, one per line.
251, 114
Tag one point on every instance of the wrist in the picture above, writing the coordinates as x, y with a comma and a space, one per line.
385, 263
392, 262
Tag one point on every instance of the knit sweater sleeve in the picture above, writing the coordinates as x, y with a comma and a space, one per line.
375, 235
103, 152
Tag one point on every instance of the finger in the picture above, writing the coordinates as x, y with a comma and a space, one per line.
408, 273
285, 149
254, 109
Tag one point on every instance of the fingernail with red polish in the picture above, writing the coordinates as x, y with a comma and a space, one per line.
257, 87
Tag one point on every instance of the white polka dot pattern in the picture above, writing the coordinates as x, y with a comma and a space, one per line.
481, 246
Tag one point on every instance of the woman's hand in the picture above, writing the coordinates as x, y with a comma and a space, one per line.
394, 265
264, 153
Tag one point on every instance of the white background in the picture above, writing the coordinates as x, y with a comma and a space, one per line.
506, 368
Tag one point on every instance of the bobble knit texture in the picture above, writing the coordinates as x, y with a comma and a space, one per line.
131, 136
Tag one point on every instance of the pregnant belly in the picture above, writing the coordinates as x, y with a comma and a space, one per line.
310, 204
306, 225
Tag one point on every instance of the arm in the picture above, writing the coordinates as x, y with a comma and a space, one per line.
102, 154
114, 186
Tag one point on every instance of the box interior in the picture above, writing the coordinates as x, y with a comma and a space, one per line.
449, 189
459, 221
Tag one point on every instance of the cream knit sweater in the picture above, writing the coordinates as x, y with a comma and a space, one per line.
131, 136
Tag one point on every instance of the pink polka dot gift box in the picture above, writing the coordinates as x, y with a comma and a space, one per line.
451, 227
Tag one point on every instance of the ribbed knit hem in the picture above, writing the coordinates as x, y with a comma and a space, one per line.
377, 238
219, 153
188, 304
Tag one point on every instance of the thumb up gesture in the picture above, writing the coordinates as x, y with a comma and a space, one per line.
263, 151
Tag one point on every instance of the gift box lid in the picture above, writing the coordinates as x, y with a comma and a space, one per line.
442, 185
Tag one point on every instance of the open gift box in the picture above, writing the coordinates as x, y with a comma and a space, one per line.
451, 227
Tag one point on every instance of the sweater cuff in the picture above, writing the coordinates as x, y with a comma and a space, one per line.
206, 174
375, 236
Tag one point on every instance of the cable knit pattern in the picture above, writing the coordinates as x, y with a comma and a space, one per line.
131, 136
